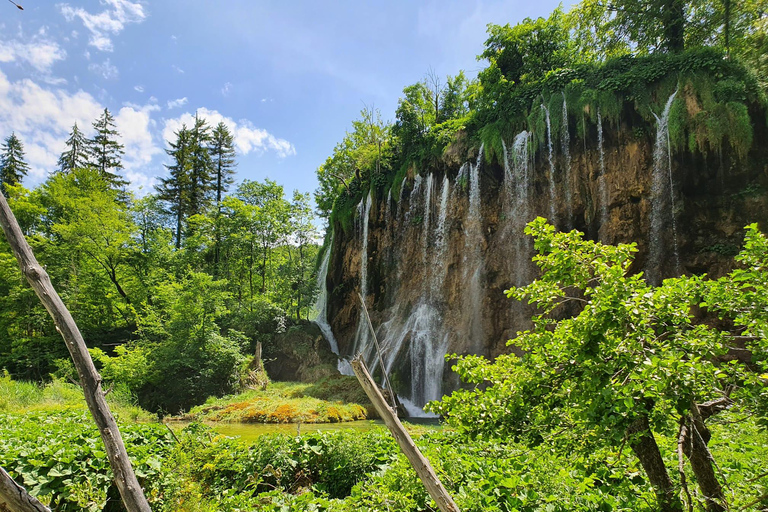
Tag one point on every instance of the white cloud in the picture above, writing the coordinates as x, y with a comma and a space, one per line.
43, 119
138, 88
105, 69
177, 69
248, 138
39, 53
177, 103
135, 125
226, 89
109, 22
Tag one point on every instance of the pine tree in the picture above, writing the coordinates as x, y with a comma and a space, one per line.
174, 190
76, 154
106, 152
201, 168
223, 157
12, 165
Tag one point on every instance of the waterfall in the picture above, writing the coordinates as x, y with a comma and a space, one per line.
565, 143
552, 194
400, 198
363, 342
320, 308
473, 255
426, 218
662, 199
601, 180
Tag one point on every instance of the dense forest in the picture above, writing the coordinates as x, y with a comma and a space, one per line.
625, 394
176, 286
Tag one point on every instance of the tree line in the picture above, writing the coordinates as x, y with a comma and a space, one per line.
522, 62
174, 288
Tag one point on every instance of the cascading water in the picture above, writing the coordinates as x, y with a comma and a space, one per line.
363, 340
319, 310
473, 256
419, 335
565, 143
662, 199
552, 193
602, 180
427, 218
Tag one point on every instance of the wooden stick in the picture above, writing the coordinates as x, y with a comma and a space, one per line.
420, 463
378, 351
15, 498
127, 484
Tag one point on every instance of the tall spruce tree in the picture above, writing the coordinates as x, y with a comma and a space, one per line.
201, 168
106, 152
222, 151
223, 157
76, 154
12, 165
174, 190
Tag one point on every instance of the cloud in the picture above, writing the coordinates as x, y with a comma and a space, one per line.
102, 26
248, 138
135, 125
226, 89
177, 103
105, 69
138, 88
43, 118
39, 53
177, 69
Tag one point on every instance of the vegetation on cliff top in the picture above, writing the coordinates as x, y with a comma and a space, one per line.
612, 61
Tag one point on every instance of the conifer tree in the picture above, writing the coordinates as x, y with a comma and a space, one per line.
12, 165
222, 151
223, 157
106, 152
76, 154
174, 190
201, 167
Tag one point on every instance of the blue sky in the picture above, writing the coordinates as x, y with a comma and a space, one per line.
288, 77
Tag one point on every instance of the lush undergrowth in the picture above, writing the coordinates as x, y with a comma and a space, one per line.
22, 397
59, 456
331, 400
49, 443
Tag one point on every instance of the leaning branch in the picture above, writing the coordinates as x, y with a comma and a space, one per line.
15, 498
420, 463
127, 484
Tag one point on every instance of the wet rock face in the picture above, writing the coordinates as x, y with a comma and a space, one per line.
440, 255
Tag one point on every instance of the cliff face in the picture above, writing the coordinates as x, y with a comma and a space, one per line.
433, 260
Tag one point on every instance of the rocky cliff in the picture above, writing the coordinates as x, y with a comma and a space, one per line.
432, 255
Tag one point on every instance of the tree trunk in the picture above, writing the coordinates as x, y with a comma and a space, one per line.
643, 444
673, 18
694, 436
15, 498
128, 485
420, 463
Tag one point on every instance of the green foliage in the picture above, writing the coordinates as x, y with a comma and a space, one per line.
328, 401
13, 168
529, 49
627, 351
70, 470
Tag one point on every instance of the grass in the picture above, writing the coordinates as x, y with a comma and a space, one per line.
331, 400
19, 397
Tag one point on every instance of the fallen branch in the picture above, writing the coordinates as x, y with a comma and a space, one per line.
90, 380
420, 463
15, 498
